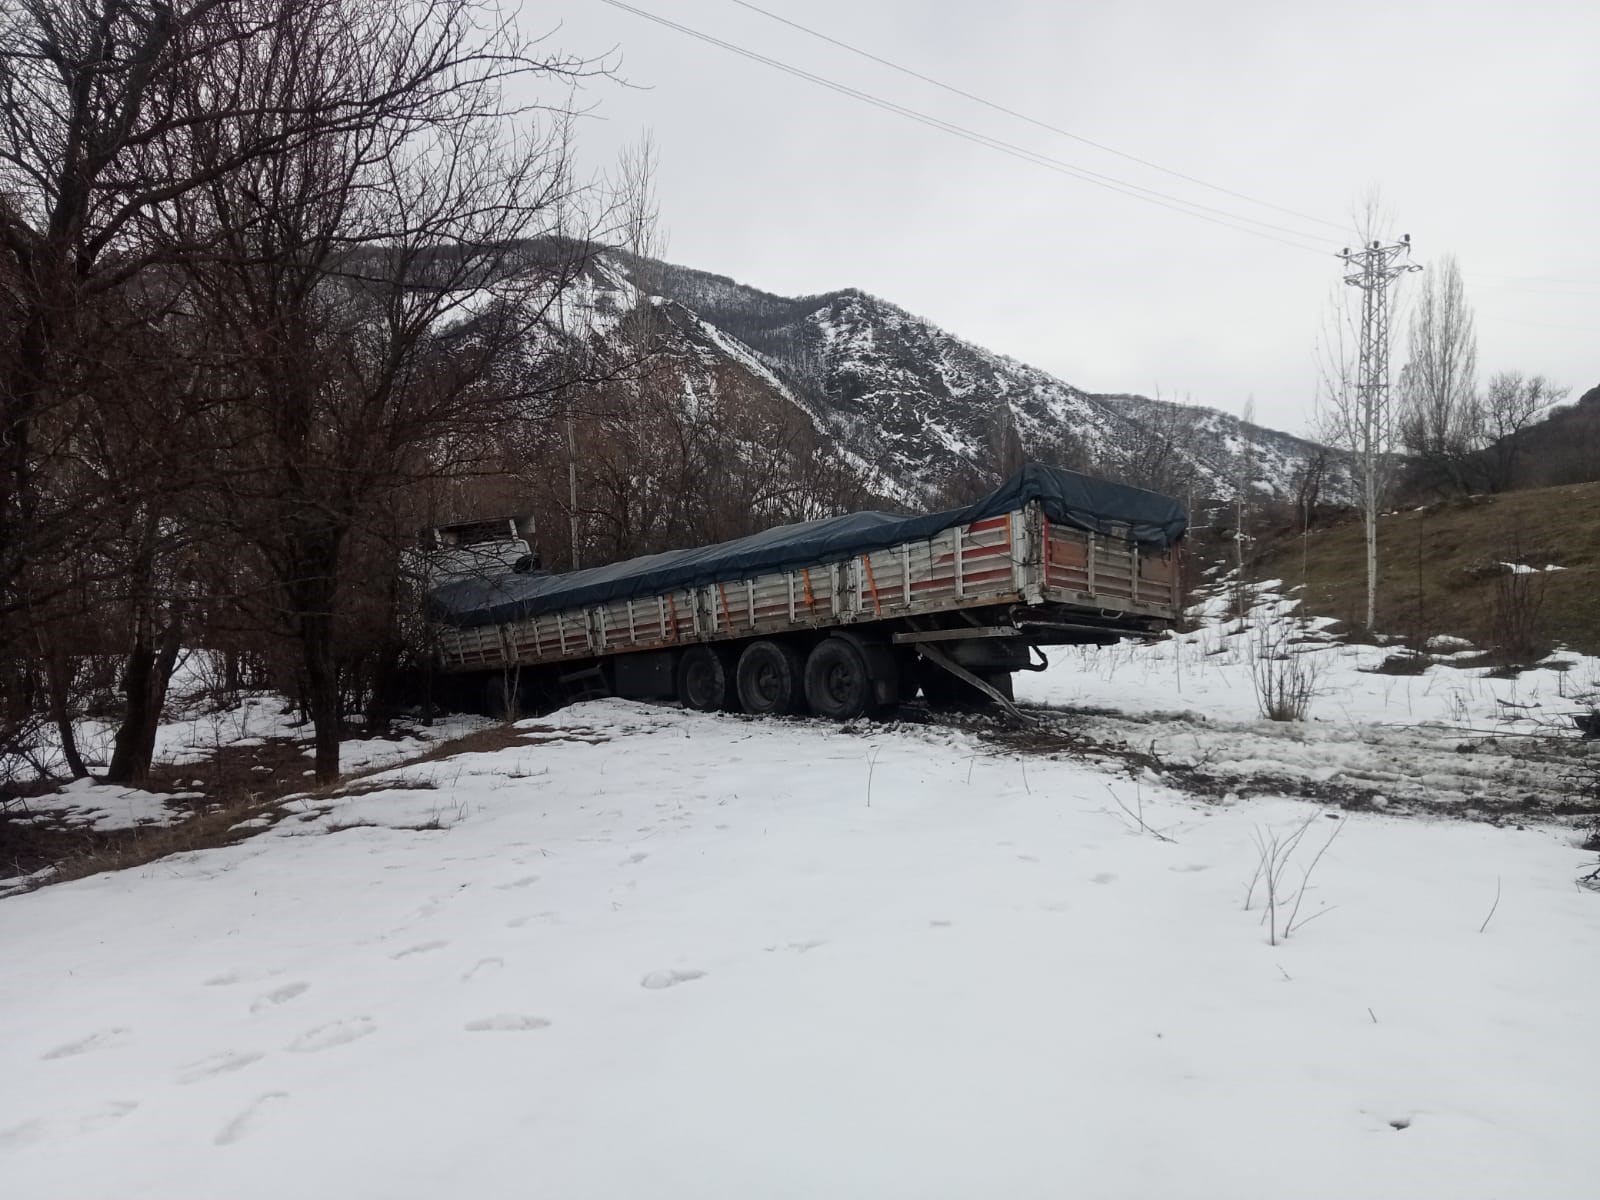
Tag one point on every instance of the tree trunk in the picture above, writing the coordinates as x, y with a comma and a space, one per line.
322, 691
164, 663
1372, 568
58, 669
136, 676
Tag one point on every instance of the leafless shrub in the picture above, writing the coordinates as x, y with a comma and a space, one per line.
1515, 633
1274, 850
1133, 816
1285, 673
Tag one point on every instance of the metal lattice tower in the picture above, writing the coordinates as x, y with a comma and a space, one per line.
1372, 269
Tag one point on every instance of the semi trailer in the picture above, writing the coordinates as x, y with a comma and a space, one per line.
843, 617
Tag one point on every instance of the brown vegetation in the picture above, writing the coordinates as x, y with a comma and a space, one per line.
1443, 571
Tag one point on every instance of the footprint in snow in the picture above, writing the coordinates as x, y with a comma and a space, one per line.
506, 1023
525, 881
1028, 857
240, 975
218, 1064
279, 996
519, 922
94, 1041
1191, 867
657, 980
334, 1033
482, 965
24, 1133
248, 1118
420, 948
633, 860
1103, 877
111, 1110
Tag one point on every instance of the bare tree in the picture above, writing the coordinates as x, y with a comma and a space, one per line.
1004, 442
294, 200
1511, 403
1155, 451
1309, 479
368, 283
97, 97
1441, 419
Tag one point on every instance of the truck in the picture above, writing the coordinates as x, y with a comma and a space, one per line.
842, 617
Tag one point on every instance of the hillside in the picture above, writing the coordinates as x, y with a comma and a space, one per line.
1441, 565
915, 405
1564, 447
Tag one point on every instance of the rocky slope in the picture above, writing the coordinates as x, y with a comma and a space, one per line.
913, 406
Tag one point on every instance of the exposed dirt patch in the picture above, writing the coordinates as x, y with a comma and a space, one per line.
1534, 778
251, 786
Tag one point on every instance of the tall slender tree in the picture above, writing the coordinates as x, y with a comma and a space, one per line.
1441, 414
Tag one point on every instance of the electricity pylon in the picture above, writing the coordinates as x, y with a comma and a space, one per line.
1372, 269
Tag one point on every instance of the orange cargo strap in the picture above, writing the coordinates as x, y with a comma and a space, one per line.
672, 607
810, 603
727, 617
866, 561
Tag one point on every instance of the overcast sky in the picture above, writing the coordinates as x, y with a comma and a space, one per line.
1476, 119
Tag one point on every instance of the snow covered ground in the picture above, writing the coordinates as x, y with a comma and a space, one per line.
1453, 737
1209, 672
657, 953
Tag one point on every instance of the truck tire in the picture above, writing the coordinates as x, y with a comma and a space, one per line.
849, 677
771, 679
704, 679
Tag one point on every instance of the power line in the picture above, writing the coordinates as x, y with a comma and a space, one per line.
1135, 191
1021, 116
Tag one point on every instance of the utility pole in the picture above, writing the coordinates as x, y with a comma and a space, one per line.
565, 392
1372, 269
572, 483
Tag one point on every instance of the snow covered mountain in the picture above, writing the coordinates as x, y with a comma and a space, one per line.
914, 407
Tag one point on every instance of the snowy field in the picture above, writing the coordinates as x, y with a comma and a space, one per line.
655, 953
1454, 738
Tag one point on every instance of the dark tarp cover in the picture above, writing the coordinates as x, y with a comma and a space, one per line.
1112, 509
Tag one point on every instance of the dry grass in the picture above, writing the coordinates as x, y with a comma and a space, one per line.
77, 854
1440, 572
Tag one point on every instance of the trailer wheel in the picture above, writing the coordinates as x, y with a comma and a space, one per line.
771, 679
838, 681
704, 681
